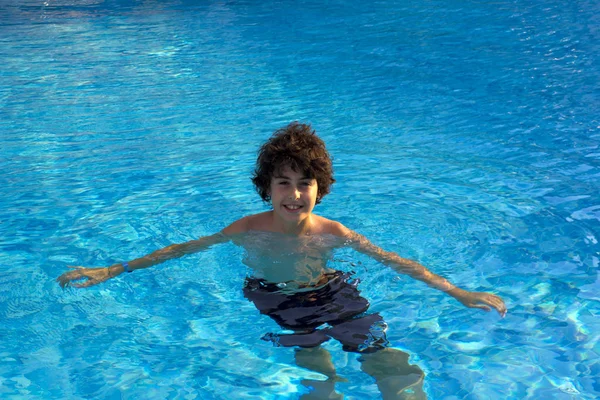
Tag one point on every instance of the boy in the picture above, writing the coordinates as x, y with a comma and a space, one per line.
291, 282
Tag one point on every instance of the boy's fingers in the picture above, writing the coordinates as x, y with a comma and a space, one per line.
501, 308
498, 304
64, 280
495, 303
85, 284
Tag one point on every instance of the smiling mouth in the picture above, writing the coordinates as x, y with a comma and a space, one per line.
292, 207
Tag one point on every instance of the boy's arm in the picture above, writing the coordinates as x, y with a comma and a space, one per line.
94, 276
417, 271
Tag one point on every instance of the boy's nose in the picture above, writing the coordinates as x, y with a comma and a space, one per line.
296, 194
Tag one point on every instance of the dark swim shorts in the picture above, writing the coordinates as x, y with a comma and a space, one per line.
334, 310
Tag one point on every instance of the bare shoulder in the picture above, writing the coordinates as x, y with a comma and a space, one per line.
326, 226
239, 226
255, 222
260, 222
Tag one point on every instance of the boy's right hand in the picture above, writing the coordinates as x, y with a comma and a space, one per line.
483, 300
92, 276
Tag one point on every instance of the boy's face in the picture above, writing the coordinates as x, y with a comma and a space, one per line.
293, 194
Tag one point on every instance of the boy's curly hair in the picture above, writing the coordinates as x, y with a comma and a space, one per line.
298, 147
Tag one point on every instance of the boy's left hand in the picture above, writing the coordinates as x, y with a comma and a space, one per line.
479, 300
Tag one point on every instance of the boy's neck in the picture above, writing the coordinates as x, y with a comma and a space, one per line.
291, 228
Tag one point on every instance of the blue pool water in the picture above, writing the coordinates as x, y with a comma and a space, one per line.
464, 135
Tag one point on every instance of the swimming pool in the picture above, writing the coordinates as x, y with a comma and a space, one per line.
464, 135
